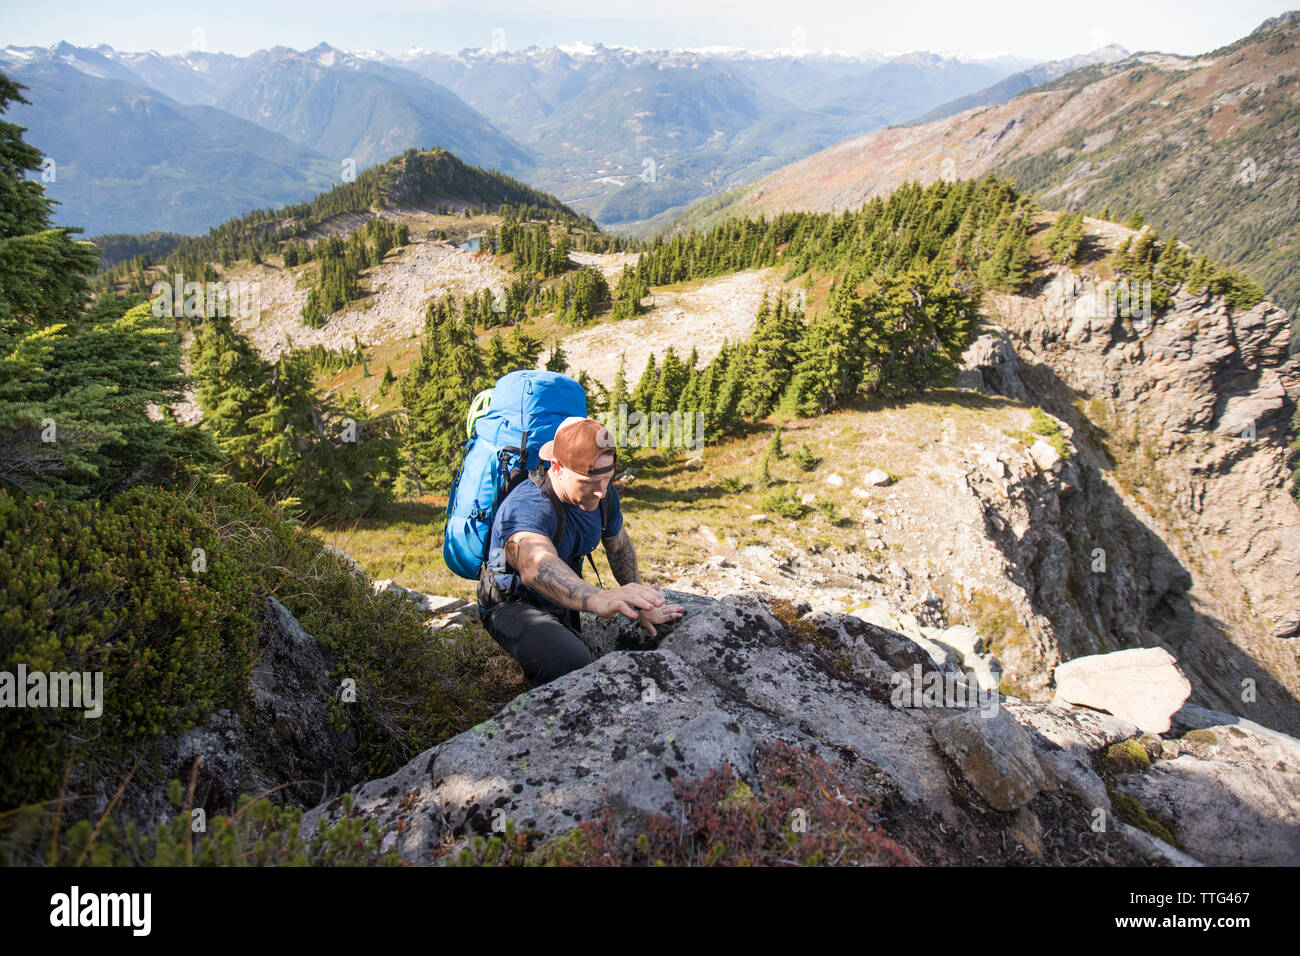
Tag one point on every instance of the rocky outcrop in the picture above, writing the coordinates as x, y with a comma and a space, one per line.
955, 776
990, 366
995, 754
1230, 790
283, 744
1173, 525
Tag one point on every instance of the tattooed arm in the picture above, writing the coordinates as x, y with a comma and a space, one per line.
541, 569
622, 557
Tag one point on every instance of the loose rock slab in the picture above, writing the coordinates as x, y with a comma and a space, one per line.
1143, 685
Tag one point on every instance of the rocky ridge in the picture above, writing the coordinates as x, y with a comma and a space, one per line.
953, 778
1180, 423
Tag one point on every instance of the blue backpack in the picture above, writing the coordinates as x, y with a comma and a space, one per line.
507, 427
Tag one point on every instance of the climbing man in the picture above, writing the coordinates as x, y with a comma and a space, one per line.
531, 591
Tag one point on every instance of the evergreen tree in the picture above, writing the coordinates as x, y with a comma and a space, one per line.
524, 349
689, 402
774, 446
558, 361
1064, 238
643, 394
498, 361
773, 349
724, 418
75, 388
436, 393
283, 439
672, 379
617, 396
832, 359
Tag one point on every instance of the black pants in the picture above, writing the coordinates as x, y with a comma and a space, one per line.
545, 646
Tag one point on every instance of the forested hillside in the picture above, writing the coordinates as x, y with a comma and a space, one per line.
1195, 146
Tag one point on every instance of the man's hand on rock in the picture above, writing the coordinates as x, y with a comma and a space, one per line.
659, 615
628, 600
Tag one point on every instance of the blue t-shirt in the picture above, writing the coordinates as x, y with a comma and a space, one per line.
527, 508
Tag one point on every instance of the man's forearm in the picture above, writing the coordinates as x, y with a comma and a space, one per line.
555, 581
622, 559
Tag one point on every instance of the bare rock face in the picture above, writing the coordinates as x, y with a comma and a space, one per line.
1174, 523
989, 365
1141, 685
618, 740
1232, 795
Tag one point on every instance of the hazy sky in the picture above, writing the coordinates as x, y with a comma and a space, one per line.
1031, 28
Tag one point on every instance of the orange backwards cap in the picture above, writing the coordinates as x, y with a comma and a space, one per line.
578, 442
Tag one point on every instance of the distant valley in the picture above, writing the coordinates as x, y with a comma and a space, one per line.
619, 134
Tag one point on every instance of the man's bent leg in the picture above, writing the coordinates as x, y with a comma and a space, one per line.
543, 645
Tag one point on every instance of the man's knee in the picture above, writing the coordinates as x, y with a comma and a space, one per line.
544, 646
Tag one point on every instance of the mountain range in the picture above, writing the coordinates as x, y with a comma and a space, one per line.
1199, 146
618, 133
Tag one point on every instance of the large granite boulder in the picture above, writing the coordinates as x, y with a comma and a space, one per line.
620, 741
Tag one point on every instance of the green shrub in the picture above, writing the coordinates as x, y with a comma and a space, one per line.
412, 690
805, 458
258, 833
1047, 426
784, 503
114, 589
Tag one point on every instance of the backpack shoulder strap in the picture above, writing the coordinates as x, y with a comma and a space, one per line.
542, 478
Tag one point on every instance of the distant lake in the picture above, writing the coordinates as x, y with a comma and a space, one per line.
470, 246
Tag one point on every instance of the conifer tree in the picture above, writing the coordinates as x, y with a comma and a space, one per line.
643, 394
497, 360
774, 446
724, 418
524, 349
75, 388
436, 393
672, 379
280, 437
618, 395
773, 350
557, 361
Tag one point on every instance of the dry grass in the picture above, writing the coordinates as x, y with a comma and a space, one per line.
667, 503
